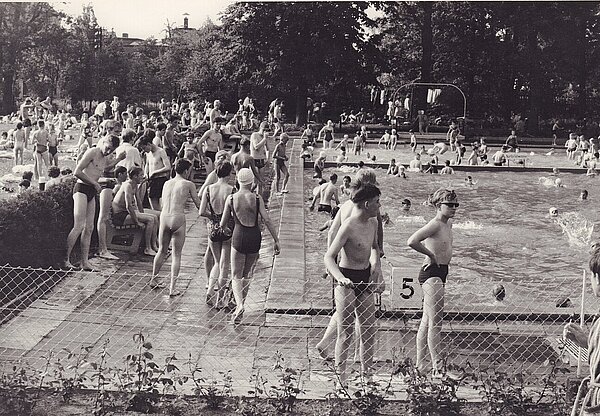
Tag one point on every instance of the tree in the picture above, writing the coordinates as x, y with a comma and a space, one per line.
25, 29
290, 49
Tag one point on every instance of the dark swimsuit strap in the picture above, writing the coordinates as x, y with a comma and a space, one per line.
215, 217
236, 217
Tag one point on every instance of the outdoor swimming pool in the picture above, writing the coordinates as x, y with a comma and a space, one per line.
502, 234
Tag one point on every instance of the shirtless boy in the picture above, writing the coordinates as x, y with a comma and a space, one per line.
125, 210
172, 223
158, 168
327, 192
356, 243
212, 140
40, 151
88, 171
20, 143
434, 240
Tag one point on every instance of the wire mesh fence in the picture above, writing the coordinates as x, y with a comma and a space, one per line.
287, 319
54, 311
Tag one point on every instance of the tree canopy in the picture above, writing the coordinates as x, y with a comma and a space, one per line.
537, 58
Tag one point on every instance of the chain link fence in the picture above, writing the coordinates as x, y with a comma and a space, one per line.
44, 311
287, 313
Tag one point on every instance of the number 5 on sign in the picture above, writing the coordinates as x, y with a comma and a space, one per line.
406, 292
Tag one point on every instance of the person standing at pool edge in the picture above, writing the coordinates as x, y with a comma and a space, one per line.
434, 240
356, 243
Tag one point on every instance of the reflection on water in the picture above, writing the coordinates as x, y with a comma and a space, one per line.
502, 233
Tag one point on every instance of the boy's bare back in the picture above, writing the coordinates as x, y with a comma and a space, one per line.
175, 194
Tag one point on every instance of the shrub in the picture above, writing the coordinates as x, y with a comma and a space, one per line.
34, 226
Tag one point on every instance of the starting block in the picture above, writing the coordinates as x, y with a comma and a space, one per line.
406, 292
126, 237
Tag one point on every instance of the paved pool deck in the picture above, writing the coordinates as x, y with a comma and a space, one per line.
287, 312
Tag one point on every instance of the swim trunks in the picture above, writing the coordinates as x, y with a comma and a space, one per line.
428, 271
155, 186
318, 172
360, 278
324, 208
53, 150
41, 148
210, 155
245, 240
280, 164
88, 190
118, 218
260, 163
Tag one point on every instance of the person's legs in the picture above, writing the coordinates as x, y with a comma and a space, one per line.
214, 275
37, 165
224, 265
329, 337
237, 283
277, 178
209, 262
164, 238
156, 226
46, 161
429, 333
286, 177
149, 221
18, 153
344, 305
366, 329
247, 273
178, 241
106, 197
86, 235
79, 218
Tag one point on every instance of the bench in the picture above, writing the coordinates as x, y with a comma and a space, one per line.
126, 237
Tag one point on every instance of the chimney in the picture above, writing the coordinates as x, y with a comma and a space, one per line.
125, 35
185, 23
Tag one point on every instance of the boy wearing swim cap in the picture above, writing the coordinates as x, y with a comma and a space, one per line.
434, 240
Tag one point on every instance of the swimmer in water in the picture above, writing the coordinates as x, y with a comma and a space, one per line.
584, 195
555, 171
405, 205
469, 181
499, 293
558, 183
553, 212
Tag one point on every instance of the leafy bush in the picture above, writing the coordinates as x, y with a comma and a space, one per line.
34, 227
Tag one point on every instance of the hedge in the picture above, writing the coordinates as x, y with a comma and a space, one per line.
34, 226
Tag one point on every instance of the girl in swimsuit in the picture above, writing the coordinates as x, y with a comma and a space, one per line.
213, 201
327, 133
245, 207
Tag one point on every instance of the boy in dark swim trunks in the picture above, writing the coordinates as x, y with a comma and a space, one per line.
356, 243
434, 240
88, 171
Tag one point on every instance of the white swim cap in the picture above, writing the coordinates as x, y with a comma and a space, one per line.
245, 176
558, 182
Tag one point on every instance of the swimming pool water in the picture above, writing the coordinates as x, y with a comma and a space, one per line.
502, 233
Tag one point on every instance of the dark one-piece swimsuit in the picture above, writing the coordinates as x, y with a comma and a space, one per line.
245, 240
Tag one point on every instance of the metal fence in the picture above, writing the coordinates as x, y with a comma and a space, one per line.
103, 315
53, 312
